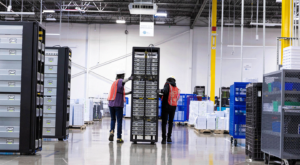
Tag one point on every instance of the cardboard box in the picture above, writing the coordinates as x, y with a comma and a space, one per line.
201, 122
211, 122
220, 123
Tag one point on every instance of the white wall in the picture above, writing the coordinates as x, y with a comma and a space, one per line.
107, 42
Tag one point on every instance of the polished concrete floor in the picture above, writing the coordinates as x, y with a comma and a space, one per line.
91, 147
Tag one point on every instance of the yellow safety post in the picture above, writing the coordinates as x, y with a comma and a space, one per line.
285, 24
213, 50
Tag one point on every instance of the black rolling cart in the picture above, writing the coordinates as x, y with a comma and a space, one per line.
57, 92
22, 48
144, 109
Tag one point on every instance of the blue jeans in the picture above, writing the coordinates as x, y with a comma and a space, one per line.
116, 111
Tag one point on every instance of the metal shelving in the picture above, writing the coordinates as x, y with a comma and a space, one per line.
281, 115
57, 92
22, 46
144, 109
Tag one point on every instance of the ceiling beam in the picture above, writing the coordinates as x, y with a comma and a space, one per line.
199, 13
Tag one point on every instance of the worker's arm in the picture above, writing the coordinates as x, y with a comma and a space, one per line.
165, 90
127, 79
128, 93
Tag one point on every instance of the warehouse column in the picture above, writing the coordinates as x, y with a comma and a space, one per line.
213, 50
285, 25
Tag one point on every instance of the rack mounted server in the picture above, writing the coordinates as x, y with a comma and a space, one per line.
57, 92
144, 112
22, 48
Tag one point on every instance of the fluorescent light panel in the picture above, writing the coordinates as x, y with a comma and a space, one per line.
48, 11
161, 14
267, 24
14, 13
120, 21
160, 22
52, 34
50, 19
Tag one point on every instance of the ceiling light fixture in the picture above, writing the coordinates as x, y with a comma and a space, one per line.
50, 19
267, 24
14, 13
48, 11
120, 21
161, 14
9, 18
160, 22
52, 34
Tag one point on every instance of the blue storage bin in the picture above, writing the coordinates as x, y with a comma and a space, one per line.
276, 126
237, 120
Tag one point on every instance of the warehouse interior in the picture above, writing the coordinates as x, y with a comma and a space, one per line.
235, 64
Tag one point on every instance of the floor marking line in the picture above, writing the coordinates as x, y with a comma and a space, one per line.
65, 161
51, 154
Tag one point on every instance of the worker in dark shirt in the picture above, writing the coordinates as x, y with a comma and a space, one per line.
116, 104
170, 95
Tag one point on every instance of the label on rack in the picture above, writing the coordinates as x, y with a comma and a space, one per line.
9, 141
10, 129
50, 59
11, 97
10, 109
48, 121
48, 130
49, 90
12, 40
259, 93
12, 52
11, 84
50, 67
139, 137
147, 137
49, 100
12, 72
50, 82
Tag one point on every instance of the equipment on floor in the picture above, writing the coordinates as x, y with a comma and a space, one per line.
225, 95
253, 121
199, 91
237, 126
144, 111
280, 116
57, 92
22, 48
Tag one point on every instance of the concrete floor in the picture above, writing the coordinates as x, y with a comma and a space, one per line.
91, 147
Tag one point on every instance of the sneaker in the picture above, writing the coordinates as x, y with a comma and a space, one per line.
120, 141
163, 141
169, 140
111, 137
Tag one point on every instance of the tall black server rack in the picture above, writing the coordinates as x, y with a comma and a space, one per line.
22, 48
57, 92
144, 109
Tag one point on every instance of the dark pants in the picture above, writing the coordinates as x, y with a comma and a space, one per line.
116, 111
165, 113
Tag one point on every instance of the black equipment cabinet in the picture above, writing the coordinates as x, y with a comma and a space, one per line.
144, 109
224, 95
22, 48
57, 92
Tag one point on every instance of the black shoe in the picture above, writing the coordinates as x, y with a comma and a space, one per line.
169, 140
163, 141
111, 137
120, 141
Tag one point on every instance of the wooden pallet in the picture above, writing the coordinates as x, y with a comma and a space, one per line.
89, 122
81, 127
203, 130
97, 119
180, 123
219, 132
191, 125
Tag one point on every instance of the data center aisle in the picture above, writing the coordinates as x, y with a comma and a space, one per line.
91, 147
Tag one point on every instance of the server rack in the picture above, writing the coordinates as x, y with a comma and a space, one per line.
144, 112
57, 92
22, 48
224, 95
